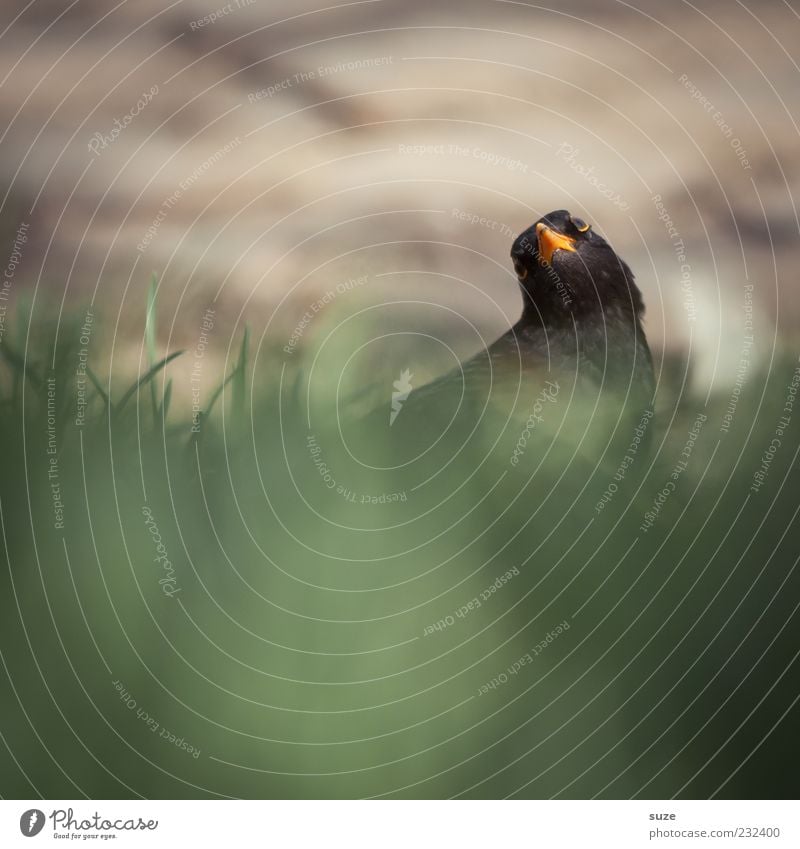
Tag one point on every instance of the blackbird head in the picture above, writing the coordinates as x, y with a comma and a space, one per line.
567, 272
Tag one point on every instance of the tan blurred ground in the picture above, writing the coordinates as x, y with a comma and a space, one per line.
317, 186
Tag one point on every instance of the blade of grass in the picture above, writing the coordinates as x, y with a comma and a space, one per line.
150, 374
218, 392
103, 394
197, 425
240, 382
150, 338
236, 373
164, 410
24, 311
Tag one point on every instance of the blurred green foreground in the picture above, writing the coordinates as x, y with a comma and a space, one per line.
239, 602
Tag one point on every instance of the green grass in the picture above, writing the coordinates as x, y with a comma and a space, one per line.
297, 645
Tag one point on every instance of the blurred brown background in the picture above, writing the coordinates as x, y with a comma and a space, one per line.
274, 150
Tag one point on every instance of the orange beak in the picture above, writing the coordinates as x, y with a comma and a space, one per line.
551, 241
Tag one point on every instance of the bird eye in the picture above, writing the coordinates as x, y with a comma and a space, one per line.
580, 225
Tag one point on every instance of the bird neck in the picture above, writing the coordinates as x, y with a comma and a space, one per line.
548, 313
608, 342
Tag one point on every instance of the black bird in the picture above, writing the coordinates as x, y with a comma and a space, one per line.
582, 316
577, 355
581, 304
